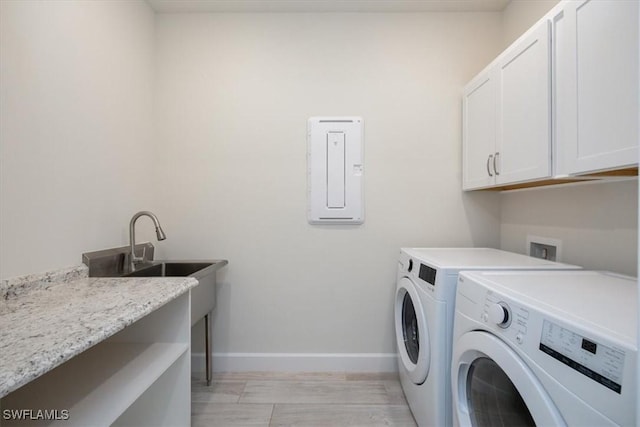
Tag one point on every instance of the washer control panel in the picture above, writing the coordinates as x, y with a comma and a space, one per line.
597, 361
417, 271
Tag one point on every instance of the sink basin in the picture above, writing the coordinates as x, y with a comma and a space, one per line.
171, 269
203, 296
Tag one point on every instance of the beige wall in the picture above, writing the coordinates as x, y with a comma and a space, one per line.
75, 114
519, 15
234, 95
597, 223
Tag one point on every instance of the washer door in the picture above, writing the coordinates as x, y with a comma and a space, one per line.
492, 386
412, 334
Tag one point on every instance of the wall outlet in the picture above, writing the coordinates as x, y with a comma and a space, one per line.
544, 248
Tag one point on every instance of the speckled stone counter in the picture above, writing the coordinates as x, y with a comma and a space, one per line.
47, 319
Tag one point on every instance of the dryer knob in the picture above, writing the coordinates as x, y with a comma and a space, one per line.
500, 314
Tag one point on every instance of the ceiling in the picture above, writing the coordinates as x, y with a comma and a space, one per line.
181, 6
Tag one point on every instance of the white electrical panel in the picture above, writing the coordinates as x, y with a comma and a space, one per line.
335, 170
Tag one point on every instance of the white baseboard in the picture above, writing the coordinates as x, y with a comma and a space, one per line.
297, 362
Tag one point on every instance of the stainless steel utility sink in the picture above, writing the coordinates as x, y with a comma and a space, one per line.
114, 263
203, 296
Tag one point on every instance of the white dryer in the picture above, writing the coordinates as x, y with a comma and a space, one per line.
424, 307
545, 348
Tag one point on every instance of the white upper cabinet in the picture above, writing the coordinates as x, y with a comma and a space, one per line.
479, 131
562, 101
523, 145
506, 116
596, 85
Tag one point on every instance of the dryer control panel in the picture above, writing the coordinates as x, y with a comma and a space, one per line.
512, 318
599, 362
595, 360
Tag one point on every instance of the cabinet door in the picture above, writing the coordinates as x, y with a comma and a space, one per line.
596, 98
523, 145
478, 132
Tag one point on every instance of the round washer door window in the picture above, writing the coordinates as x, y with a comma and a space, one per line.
412, 335
492, 398
410, 331
492, 386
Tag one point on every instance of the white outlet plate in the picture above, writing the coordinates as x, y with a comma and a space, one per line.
545, 241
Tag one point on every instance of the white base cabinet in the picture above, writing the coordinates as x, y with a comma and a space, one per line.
140, 376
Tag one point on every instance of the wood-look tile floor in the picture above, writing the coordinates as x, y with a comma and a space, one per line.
299, 399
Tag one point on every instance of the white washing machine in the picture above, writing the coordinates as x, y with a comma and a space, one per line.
424, 306
545, 348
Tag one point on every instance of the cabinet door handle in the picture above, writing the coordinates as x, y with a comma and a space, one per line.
488, 164
495, 166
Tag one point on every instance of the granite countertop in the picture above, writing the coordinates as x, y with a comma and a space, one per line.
47, 319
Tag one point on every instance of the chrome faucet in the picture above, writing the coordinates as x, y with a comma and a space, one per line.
132, 236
